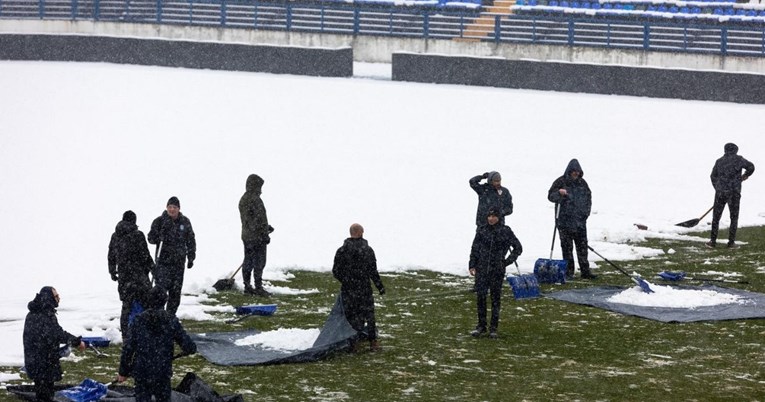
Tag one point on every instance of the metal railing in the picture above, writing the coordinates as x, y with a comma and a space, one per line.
341, 18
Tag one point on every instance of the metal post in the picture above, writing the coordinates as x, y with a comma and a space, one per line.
724, 41
41, 8
159, 10
646, 36
96, 10
570, 32
356, 21
74, 9
223, 13
497, 30
289, 16
426, 25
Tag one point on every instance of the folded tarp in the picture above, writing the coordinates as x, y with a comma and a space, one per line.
752, 304
191, 389
221, 348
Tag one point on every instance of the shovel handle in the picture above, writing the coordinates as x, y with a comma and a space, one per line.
707, 213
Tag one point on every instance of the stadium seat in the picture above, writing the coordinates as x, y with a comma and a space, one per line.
695, 10
585, 4
595, 5
574, 4
751, 13
564, 3
730, 11
618, 6
718, 11
662, 9
520, 3
608, 6
685, 10
673, 10
651, 8
762, 13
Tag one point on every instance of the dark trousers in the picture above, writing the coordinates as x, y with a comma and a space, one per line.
170, 277
157, 387
44, 390
733, 200
254, 263
485, 283
360, 313
570, 238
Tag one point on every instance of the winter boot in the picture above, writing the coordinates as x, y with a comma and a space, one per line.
374, 345
259, 291
493, 334
248, 290
478, 331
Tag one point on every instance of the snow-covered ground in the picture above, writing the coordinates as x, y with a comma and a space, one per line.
81, 143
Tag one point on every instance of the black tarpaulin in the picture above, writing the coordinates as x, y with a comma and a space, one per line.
221, 348
191, 389
752, 305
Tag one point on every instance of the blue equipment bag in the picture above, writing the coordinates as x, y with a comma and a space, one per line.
524, 286
89, 390
257, 309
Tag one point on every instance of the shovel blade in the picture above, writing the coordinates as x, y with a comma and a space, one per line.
644, 286
550, 271
689, 224
524, 286
224, 284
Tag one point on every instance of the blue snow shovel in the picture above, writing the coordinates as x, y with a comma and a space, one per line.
89, 390
549, 270
524, 286
638, 280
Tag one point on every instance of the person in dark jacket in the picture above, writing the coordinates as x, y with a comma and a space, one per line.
726, 178
255, 235
147, 354
129, 265
487, 264
174, 237
354, 267
42, 338
491, 195
573, 202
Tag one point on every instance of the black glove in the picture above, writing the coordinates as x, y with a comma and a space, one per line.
268, 239
190, 264
485, 175
114, 276
510, 260
382, 291
270, 229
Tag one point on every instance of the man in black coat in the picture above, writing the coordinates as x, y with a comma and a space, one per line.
573, 200
487, 263
491, 195
726, 178
174, 237
42, 338
355, 265
129, 264
147, 354
255, 235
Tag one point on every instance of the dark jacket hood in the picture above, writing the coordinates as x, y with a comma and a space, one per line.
43, 301
125, 227
573, 165
731, 149
254, 184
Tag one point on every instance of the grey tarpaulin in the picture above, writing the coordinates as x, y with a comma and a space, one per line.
752, 306
221, 348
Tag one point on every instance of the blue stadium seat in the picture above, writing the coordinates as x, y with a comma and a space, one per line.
629, 7
585, 4
553, 3
595, 6
751, 13
741, 12
608, 6
618, 6
673, 10
762, 13
520, 3
651, 8
730, 11
685, 10
695, 10
718, 11
564, 3
574, 4
662, 9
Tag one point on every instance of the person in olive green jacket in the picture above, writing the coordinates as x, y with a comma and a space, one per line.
255, 236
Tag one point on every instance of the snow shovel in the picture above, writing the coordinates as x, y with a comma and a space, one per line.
227, 283
549, 270
679, 276
524, 286
693, 222
638, 280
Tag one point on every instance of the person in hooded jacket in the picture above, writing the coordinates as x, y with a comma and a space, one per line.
43, 337
726, 178
354, 267
176, 242
491, 195
147, 354
255, 235
573, 203
129, 265
487, 264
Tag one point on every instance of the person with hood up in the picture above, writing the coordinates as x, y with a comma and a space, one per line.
255, 235
129, 265
487, 264
147, 354
354, 267
573, 202
491, 195
726, 178
43, 337
175, 240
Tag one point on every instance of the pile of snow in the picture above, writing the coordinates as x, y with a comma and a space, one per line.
666, 296
284, 339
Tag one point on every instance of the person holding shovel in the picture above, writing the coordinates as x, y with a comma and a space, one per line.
255, 235
147, 354
176, 242
354, 267
491, 195
487, 264
573, 197
42, 338
129, 265
726, 178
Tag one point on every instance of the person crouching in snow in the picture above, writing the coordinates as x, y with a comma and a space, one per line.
355, 265
487, 263
147, 353
42, 338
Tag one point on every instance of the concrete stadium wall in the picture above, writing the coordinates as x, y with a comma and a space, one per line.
586, 78
295, 60
380, 49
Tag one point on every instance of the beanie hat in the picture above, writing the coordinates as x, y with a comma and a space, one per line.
494, 176
156, 298
174, 201
731, 148
493, 211
129, 216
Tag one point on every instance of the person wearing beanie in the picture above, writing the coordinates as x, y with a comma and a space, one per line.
355, 267
42, 338
176, 246
255, 235
129, 262
726, 178
573, 202
491, 195
147, 353
488, 259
